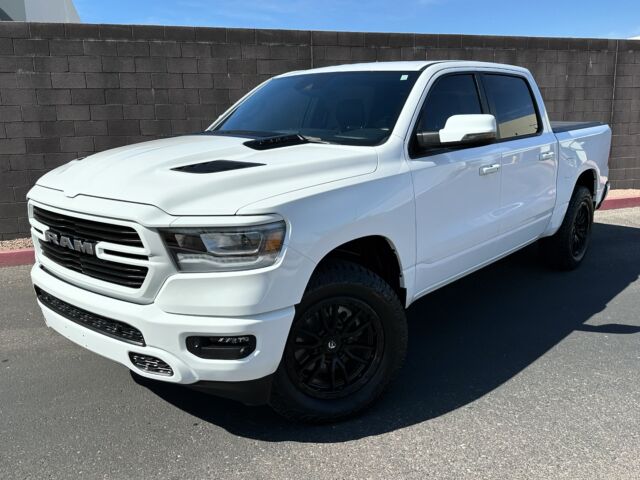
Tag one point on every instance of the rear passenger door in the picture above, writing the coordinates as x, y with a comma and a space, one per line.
529, 163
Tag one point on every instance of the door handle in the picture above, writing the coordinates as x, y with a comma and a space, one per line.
547, 155
489, 169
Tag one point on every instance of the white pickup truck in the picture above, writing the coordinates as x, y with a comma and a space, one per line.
270, 258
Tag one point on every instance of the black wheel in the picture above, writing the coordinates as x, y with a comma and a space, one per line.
347, 340
567, 248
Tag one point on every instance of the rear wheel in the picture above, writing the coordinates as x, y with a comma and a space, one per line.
347, 341
566, 249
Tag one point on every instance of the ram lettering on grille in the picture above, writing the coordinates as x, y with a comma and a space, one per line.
70, 243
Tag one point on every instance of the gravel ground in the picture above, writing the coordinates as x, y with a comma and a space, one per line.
514, 372
16, 244
624, 193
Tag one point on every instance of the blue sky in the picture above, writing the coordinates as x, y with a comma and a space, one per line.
559, 18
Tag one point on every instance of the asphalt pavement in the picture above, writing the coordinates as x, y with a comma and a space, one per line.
515, 372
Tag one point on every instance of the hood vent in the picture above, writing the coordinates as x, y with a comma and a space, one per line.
276, 142
216, 166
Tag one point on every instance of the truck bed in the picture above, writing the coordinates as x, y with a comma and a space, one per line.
560, 127
582, 146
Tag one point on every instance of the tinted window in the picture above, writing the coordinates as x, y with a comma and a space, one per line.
356, 108
511, 103
451, 95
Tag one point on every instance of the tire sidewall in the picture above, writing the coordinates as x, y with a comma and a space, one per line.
583, 198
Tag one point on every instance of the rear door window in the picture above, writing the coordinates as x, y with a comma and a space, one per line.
511, 102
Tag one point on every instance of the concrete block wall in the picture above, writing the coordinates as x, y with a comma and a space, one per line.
68, 90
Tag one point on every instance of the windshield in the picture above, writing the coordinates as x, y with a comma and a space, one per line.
350, 108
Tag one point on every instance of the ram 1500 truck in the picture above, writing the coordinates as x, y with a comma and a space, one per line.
270, 258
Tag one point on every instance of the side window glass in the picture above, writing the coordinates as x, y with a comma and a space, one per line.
512, 104
451, 95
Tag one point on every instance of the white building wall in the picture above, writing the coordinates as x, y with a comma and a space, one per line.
41, 10
15, 9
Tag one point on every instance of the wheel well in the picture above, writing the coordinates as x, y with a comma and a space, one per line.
588, 179
376, 254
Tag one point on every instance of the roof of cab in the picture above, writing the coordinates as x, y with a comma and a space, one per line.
403, 66
368, 67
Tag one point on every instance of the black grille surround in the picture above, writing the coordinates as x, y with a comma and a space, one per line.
106, 326
124, 274
88, 229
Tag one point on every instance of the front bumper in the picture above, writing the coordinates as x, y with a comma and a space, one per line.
165, 334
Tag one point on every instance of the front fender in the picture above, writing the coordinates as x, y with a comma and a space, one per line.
322, 219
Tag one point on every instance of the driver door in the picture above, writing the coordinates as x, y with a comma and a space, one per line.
457, 189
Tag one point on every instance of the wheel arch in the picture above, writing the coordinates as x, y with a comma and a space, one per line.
378, 253
588, 178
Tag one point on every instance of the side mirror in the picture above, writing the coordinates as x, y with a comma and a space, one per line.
461, 130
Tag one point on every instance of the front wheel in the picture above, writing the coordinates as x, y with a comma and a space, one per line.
566, 249
347, 341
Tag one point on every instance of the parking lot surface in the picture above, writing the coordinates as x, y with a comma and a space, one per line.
513, 372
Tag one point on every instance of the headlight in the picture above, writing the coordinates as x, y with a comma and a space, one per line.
225, 248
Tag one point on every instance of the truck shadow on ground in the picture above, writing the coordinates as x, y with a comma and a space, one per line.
465, 340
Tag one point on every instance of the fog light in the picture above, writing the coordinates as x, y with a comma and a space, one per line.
222, 348
150, 364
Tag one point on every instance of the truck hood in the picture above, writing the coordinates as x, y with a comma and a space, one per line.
144, 173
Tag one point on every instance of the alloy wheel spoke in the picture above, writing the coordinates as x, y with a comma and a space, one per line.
333, 372
308, 346
343, 367
333, 349
358, 331
357, 346
309, 334
316, 370
326, 319
351, 320
310, 360
580, 231
355, 357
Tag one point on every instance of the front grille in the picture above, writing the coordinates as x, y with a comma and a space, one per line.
113, 272
107, 326
150, 364
127, 275
88, 229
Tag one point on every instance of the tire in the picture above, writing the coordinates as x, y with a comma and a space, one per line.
566, 249
347, 341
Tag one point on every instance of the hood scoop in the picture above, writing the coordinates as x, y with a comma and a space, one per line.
216, 166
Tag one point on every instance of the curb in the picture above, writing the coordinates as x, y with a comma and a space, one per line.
616, 203
25, 256
12, 258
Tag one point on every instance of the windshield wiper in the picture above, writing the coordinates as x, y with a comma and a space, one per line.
311, 139
282, 141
